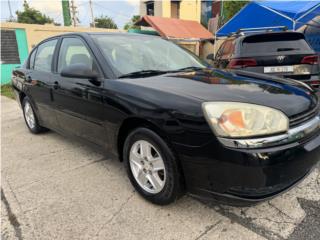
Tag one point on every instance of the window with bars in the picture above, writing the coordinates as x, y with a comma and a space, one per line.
9, 47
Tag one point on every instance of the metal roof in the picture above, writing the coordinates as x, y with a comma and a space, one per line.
173, 28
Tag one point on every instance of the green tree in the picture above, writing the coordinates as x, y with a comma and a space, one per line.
105, 22
230, 8
130, 25
32, 16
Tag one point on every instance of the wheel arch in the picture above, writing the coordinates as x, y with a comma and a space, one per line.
131, 123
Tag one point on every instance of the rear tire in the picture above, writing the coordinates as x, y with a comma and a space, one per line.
31, 118
154, 171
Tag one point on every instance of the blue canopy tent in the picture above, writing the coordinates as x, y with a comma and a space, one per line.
263, 14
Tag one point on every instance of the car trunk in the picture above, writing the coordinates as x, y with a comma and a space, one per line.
281, 54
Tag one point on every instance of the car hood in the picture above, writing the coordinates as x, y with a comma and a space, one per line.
207, 85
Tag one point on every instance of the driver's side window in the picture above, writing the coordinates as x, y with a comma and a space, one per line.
74, 51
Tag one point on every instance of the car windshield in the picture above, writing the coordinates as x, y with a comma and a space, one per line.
132, 54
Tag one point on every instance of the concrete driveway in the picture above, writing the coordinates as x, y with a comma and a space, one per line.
55, 188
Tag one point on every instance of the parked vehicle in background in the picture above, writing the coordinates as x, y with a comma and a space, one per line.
175, 123
284, 54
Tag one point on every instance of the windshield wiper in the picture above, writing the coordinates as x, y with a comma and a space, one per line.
142, 73
192, 68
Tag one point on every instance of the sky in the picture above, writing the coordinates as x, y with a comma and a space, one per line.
120, 11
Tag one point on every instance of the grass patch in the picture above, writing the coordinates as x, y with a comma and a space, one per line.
6, 90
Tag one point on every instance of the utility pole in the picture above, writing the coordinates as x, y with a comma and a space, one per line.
93, 24
11, 18
74, 13
66, 13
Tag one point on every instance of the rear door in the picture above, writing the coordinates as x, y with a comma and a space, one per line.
279, 54
79, 102
40, 79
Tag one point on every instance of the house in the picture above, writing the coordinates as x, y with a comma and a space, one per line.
195, 10
187, 33
184, 9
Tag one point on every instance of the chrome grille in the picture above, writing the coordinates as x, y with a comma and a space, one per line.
301, 118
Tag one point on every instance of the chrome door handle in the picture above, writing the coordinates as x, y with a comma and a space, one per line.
56, 85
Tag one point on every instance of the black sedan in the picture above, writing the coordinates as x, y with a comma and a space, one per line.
178, 125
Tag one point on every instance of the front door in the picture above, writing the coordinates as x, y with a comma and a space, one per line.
80, 109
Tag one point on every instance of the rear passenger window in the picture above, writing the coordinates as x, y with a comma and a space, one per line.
43, 59
32, 57
280, 43
73, 51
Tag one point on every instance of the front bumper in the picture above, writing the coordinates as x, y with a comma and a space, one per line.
247, 175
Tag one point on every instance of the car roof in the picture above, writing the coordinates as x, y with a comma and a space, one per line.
87, 34
251, 34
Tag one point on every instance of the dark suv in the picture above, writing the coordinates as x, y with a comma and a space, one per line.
284, 54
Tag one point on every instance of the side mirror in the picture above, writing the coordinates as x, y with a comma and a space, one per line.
210, 57
79, 70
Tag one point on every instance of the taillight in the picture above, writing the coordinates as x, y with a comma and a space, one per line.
315, 82
242, 63
310, 59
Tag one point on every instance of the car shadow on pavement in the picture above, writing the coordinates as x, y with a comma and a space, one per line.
278, 218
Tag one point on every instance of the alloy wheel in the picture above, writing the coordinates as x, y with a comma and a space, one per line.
29, 115
147, 166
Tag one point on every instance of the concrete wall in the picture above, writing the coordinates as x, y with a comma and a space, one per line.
36, 33
158, 8
6, 69
142, 8
190, 10
166, 8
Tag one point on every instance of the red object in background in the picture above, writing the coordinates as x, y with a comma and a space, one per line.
314, 59
314, 83
216, 8
242, 62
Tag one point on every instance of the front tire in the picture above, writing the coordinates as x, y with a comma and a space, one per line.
30, 117
152, 167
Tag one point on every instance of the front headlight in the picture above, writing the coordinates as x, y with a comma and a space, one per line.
233, 119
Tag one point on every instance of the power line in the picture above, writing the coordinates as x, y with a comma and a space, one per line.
74, 12
10, 10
